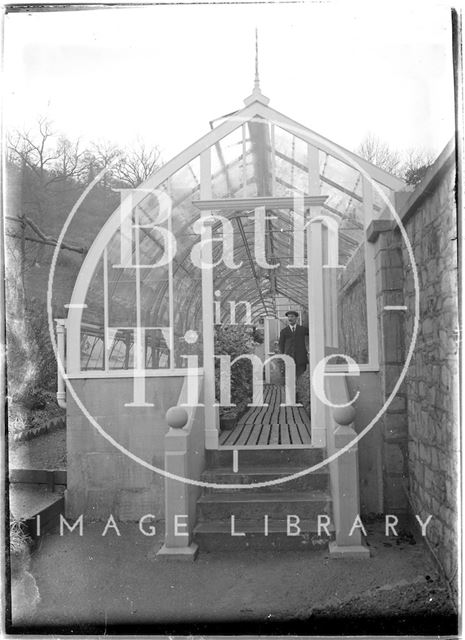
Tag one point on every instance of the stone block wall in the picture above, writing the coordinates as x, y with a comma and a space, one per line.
393, 422
419, 432
103, 480
432, 379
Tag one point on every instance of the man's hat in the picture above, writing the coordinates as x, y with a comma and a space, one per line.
292, 313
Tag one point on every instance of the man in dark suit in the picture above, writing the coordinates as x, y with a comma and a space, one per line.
293, 342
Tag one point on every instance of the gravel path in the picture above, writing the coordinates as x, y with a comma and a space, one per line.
47, 451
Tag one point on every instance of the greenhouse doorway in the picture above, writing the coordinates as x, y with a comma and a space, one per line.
272, 424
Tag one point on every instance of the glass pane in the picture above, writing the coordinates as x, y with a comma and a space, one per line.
284, 142
91, 349
157, 348
378, 200
187, 302
352, 328
154, 298
227, 165
121, 297
342, 174
290, 178
342, 203
122, 348
121, 352
92, 323
228, 181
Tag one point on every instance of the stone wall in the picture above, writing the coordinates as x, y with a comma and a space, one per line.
417, 443
429, 217
103, 480
391, 346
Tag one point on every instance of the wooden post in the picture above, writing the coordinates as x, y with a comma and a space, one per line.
316, 315
316, 326
211, 424
370, 278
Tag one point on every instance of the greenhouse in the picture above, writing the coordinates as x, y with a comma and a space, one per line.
258, 217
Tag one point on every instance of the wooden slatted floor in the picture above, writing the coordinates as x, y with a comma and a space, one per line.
270, 426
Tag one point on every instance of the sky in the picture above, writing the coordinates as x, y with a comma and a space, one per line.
161, 73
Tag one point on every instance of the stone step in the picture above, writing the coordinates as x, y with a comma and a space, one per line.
252, 474
266, 457
50, 477
27, 501
215, 535
247, 505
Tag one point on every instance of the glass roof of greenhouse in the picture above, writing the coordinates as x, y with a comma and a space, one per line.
255, 151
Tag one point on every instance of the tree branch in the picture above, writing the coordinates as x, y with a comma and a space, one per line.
49, 239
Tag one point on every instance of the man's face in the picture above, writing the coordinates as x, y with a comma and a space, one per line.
292, 320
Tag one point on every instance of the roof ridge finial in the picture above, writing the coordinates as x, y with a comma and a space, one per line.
257, 76
256, 95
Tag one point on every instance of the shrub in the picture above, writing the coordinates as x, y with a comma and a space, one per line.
19, 540
20, 544
235, 340
31, 408
17, 423
46, 364
30, 357
32, 397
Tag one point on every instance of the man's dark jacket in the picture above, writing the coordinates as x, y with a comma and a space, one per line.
293, 343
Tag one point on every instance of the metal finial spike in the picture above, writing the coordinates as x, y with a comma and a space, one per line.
257, 78
256, 95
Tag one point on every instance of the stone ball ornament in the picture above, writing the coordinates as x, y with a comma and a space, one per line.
176, 417
344, 415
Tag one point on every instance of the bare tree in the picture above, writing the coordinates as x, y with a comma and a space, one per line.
50, 158
137, 164
44, 160
127, 167
46, 171
103, 155
48, 162
42, 167
411, 166
379, 153
71, 161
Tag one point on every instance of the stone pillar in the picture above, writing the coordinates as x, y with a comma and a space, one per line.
345, 488
178, 528
391, 323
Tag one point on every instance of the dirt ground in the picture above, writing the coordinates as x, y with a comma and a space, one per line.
91, 583
97, 584
47, 451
